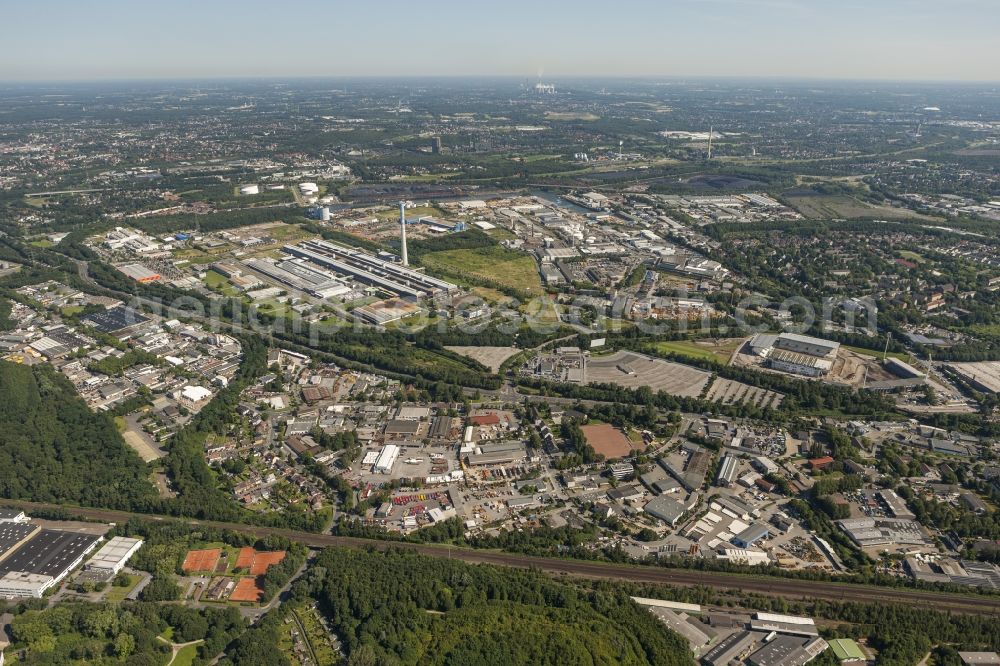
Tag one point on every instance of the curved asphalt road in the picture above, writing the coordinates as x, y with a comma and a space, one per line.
767, 585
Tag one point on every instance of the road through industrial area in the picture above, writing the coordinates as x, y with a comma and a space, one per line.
789, 589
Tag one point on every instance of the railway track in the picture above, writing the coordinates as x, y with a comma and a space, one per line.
765, 585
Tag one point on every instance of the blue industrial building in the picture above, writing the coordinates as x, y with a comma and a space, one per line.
751, 535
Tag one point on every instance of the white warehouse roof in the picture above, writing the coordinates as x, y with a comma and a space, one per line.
195, 393
115, 553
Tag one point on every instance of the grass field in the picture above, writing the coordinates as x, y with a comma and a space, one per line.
288, 233
185, 656
497, 265
331, 323
541, 311
715, 350
118, 594
831, 206
196, 256
71, 310
877, 353
218, 282
501, 234
273, 307
911, 256
417, 320
490, 295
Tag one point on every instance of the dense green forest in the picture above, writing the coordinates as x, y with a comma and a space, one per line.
402, 608
88, 633
54, 449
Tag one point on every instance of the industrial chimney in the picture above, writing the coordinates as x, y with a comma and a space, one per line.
402, 232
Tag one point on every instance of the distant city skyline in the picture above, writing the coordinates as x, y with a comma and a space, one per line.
925, 40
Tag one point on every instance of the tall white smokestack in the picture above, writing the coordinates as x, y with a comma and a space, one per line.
402, 232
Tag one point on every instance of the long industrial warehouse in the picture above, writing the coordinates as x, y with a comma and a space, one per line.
299, 276
369, 269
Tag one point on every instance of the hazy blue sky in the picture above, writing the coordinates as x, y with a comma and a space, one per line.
879, 39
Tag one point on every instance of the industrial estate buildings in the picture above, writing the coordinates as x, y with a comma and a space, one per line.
735, 639
33, 558
370, 269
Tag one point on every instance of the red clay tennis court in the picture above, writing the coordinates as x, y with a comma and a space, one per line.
202, 560
247, 589
245, 559
263, 561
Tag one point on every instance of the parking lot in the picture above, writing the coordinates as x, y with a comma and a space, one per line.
729, 392
634, 370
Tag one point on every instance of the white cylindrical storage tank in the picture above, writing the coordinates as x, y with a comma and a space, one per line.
324, 213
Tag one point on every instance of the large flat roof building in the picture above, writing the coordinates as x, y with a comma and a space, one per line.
298, 275
412, 413
866, 532
846, 649
666, 509
897, 507
751, 535
50, 553
498, 453
734, 647
113, 555
139, 272
784, 624
398, 427
12, 516
788, 650
13, 536
805, 344
698, 635
15, 584
979, 658
386, 459
727, 471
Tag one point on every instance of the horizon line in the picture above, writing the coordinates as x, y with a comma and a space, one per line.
556, 78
